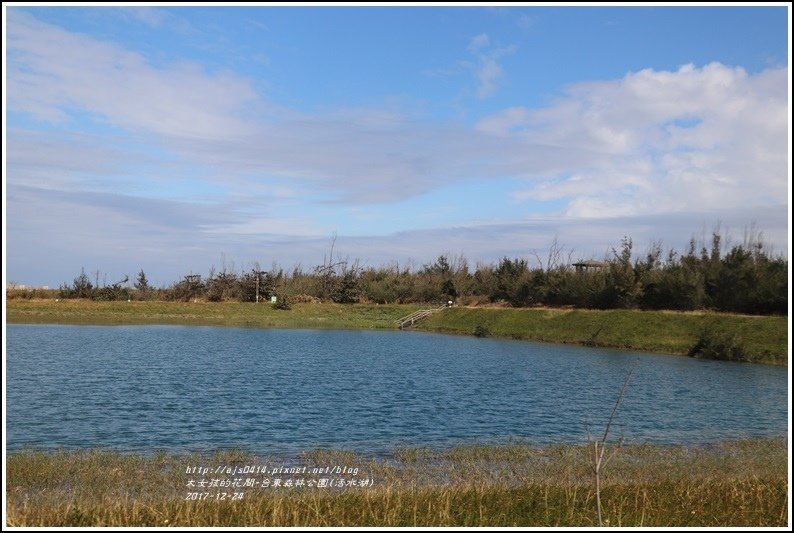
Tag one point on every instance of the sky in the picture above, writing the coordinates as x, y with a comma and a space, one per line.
176, 139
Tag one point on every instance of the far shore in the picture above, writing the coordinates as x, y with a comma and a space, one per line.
763, 339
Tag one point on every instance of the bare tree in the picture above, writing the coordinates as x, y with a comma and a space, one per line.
555, 251
600, 446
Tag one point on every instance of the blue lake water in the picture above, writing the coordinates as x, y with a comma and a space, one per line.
182, 388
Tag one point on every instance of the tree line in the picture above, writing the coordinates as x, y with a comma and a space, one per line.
746, 278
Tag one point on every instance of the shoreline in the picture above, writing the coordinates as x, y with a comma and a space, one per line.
763, 338
482, 448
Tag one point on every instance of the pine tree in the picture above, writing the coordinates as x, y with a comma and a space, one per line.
141, 283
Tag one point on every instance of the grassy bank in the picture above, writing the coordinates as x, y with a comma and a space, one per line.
763, 339
729, 484
314, 315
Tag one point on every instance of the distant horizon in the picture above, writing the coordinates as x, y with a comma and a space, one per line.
172, 139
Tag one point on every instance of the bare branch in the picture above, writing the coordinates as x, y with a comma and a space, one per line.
619, 400
598, 460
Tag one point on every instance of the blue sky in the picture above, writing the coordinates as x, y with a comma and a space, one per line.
173, 139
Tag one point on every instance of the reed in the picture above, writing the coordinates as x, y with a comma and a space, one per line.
738, 483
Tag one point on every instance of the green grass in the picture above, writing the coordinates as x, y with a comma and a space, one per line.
764, 339
741, 483
302, 315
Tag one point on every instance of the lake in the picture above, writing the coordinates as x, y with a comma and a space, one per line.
187, 388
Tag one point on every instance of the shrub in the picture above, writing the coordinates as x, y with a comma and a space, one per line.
480, 331
718, 345
282, 303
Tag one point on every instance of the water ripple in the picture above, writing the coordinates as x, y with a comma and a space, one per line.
189, 388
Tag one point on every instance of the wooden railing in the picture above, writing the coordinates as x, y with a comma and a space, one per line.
409, 320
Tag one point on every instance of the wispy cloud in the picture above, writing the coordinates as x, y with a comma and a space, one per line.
488, 74
525, 22
53, 72
479, 42
169, 238
487, 69
150, 16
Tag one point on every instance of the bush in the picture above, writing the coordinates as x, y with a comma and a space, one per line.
480, 331
112, 293
719, 345
282, 303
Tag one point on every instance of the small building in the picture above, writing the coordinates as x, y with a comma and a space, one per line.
589, 265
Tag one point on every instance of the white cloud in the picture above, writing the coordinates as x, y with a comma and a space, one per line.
488, 75
479, 42
199, 120
525, 22
487, 69
502, 122
710, 137
53, 72
148, 15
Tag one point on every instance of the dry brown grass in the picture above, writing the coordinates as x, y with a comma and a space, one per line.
741, 483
